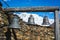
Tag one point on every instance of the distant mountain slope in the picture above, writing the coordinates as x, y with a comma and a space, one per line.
38, 19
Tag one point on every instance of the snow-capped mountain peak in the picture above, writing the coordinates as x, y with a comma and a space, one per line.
38, 19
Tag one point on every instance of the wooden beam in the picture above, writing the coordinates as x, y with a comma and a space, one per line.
32, 9
57, 25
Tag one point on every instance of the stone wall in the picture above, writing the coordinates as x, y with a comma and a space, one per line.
27, 32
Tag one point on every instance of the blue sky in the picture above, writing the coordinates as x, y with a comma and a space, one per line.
29, 3
23, 3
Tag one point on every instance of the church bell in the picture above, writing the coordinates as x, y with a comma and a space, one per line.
14, 22
45, 21
31, 20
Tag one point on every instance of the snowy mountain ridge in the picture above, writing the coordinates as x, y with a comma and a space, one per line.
38, 19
